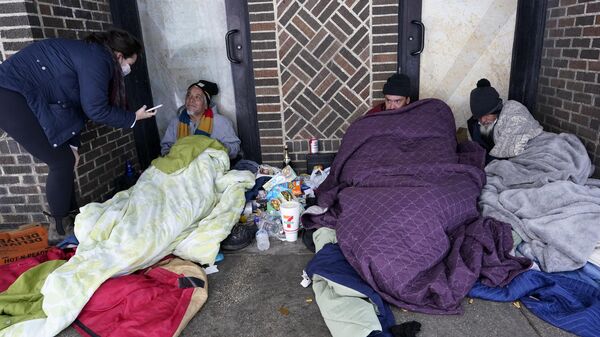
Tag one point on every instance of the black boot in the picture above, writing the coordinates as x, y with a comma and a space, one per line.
58, 223
53, 237
63, 227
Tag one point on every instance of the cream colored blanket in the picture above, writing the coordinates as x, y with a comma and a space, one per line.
187, 213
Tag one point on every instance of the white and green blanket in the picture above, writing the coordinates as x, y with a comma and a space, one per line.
187, 212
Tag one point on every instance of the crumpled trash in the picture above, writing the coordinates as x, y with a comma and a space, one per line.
286, 175
317, 177
267, 171
281, 192
272, 224
306, 281
211, 269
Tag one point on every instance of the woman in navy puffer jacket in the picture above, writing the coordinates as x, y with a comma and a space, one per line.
50, 88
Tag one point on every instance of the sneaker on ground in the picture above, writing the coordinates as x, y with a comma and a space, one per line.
241, 236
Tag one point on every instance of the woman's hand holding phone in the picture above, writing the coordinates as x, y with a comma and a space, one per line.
144, 113
154, 108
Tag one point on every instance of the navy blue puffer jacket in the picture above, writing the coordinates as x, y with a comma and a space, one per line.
65, 82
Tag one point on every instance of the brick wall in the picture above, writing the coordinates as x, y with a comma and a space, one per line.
266, 78
569, 85
318, 65
104, 149
17, 26
384, 18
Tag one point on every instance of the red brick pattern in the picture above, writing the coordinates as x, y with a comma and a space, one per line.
324, 64
318, 64
569, 85
266, 78
104, 149
385, 44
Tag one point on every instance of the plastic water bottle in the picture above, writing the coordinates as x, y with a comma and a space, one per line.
262, 240
130, 176
129, 171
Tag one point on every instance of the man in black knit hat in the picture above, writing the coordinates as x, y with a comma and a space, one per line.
486, 105
198, 116
396, 92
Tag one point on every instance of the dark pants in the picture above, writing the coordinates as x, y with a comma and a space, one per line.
17, 119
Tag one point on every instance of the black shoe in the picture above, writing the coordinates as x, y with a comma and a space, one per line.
62, 224
62, 227
241, 236
307, 238
54, 237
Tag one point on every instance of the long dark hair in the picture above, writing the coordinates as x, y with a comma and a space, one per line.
117, 40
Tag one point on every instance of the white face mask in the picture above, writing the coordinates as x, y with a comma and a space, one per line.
126, 69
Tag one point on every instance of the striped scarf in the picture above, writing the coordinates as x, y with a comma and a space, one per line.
204, 127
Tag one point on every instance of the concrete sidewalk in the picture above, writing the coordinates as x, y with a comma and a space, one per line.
259, 294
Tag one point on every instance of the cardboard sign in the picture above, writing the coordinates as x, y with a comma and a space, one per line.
27, 241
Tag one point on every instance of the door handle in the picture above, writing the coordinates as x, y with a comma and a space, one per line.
229, 44
422, 27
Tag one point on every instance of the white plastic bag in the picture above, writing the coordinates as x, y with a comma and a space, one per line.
317, 177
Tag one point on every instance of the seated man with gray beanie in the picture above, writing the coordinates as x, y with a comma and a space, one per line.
396, 92
486, 105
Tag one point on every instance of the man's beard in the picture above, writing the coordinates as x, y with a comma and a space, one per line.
196, 114
487, 129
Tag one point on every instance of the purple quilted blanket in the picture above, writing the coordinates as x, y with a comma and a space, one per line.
402, 196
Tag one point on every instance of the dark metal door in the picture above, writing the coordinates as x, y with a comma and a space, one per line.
239, 53
147, 141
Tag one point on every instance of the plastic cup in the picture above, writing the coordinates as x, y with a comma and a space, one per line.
290, 218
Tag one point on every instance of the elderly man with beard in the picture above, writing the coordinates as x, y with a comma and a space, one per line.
197, 117
486, 105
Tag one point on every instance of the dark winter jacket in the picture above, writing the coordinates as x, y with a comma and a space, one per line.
65, 82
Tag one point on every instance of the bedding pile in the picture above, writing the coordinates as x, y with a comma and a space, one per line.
186, 208
402, 196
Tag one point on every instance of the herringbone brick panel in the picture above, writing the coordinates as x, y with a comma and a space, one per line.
324, 64
317, 66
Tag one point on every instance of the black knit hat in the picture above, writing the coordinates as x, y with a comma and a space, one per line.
397, 85
209, 88
484, 99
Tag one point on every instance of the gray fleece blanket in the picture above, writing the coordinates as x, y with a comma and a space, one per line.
515, 127
545, 194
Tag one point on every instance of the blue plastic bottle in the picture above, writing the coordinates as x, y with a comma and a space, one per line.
129, 170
